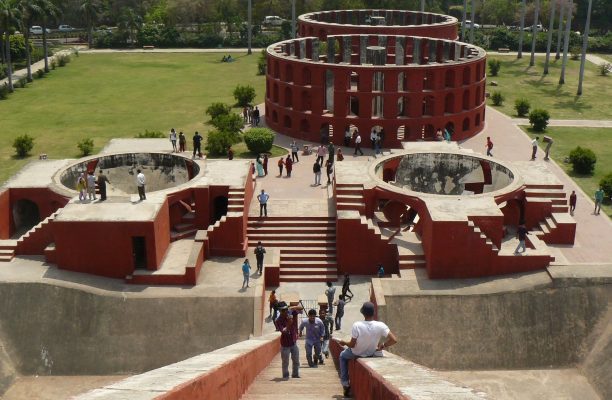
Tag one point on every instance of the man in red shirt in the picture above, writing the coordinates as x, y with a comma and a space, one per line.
286, 324
489, 147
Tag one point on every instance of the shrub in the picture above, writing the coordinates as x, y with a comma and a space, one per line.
494, 66
4, 91
575, 52
231, 123
217, 109
538, 119
63, 59
218, 142
582, 160
244, 95
23, 145
22, 82
262, 63
86, 146
522, 107
259, 140
39, 74
498, 98
53, 64
147, 134
604, 68
606, 185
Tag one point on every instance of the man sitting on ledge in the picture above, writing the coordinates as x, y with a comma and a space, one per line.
365, 342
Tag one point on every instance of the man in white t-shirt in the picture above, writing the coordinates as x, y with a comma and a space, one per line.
365, 342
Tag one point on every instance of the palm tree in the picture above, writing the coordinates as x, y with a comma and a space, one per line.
463, 21
522, 31
472, 24
49, 10
585, 42
551, 26
91, 10
130, 22
534, 33
29, 11
560, 30
250, 26
568, 25
9, 19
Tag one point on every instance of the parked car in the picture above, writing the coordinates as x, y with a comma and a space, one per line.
468, 24
66, 28
273, 20
38, 30
530, 27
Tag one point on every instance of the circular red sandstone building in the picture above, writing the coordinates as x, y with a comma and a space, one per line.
409, 86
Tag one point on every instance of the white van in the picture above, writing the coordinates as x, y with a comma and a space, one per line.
273, 20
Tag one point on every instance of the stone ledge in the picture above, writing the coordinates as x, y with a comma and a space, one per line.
580, 275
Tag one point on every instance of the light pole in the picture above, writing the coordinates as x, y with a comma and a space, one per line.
568, 25
250, 26
585, 42
550, 31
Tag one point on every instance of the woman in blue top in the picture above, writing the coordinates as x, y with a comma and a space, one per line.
246, 270
259, 166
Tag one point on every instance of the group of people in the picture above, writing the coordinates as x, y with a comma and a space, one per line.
251, 115
227, 58
329, 163
181, 140
86, 185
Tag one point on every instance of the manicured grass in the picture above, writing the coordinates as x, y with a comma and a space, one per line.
517, 80
105, 96
241, 151
606, 57
597, 139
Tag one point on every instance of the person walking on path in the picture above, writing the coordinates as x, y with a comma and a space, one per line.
256, 116
331, 152
347, 137
572, 202
259, 255
381, 271
81, 186
339, 311
246, 271
599, 196
534, 148
294, 152
549, 142
316, 169
286, 324
259, 167
321, 154
263, 198
346, 288
315, 332
140, 182
280, 167
265, 164
489, 147
91, 185
330, 292
102, 181
373, 137
358, 143
329, 169
521, 233
173, 139
182, 142
289, 165
328, 323
273, 303
230, 153
197, 145
365, 341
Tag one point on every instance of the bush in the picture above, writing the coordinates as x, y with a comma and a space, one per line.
538, 119
575, 52
498, 98
606, 185
218, 142
22, 82
53, 64
217, 109
244, 95
63, 59
39, 74
231, 123
262, 63
259, 140
86, 147
522, 107
494, 66
4, 91
147, 134
23, 145
604, 68
582, 160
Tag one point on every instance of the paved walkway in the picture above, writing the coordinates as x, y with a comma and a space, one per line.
593, 58
578, 123
22, 73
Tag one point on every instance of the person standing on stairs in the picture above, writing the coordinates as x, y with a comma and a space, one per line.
263, 198
315, 332
286, 324
330, 292
339, 311
259, 255
328, 323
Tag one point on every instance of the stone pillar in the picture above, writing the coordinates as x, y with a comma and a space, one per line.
433, 50
363, 44
377, 55
457, 51
413, 18
292, 49
400, 50
302, 49
382, 41
377, 21
315, 50
388, 17
446, 51
346, 49
331, 50
416, 51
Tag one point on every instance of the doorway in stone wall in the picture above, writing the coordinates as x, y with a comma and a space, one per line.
219, 207
25, 216
139, 252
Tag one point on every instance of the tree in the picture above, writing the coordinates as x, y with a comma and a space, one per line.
91, 10
29, 11
585, 42
49, 11
9, 20
551, 25
522, 31
566, 40
534, 33
244, 95
130, 22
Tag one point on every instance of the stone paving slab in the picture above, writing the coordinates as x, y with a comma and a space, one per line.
581, 123
37, 174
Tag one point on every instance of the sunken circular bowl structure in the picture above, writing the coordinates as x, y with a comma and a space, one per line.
379, 22
162, 171
410, 86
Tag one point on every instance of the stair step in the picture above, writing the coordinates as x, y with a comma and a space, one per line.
7, 252
301, 236
291, 219
291, 230
189, 216
308, 271
305, 257
182, 235
350, 206
301, 224
320, 251
285, 243
6, 258
550, 223
308, 264
308, 278
545, 193
560, 209
183, 227
411, 264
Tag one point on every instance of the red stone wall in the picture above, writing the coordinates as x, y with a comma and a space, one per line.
6, 221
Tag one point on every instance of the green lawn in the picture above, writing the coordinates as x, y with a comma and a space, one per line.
597, 139
517, 80
105, 96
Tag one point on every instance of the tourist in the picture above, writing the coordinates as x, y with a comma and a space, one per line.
365, 342
265, 164
316, 169
549, 142
376, 145
599, 196
140, 182
246, 270
288, 165
182, 142
347, 136
273, 303
263, 198
245, 114
81, 186
331, 152
439, 135
339, 311
328, 323
91, 185
447, 135
315, 332
102, 181
346, 287
534, 148
373, 137
286, 324
340, 156
381, 270
197, 145
294, 152
330, 292
572, 202
250, 114
521, 234
173, 139
230, 153
489, 147
321, 154
280, 166
259, 255
358, 143
381, 137
256, 116
259, 166
329, 169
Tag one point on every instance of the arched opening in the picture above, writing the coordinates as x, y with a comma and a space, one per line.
275, 93
377, 107
287, 122
354, 81
428, 106
428, 80
477, 120
449, 78
306, 76
289, 73
274, 117
306, 102
466, 75
402, 106
466, 124
25, 216
267, 90
325, 132
449, 103
353, 108
401, 132
478, 72
402, 84
429, 132
378, 81
466, 99
304, 126
219, 207
329, 90
288, 97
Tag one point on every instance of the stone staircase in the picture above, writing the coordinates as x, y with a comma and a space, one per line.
307, 246
553, 229
38, 238
410, 251
7, 250
483, 237
548, 193
350, 197
186, 228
